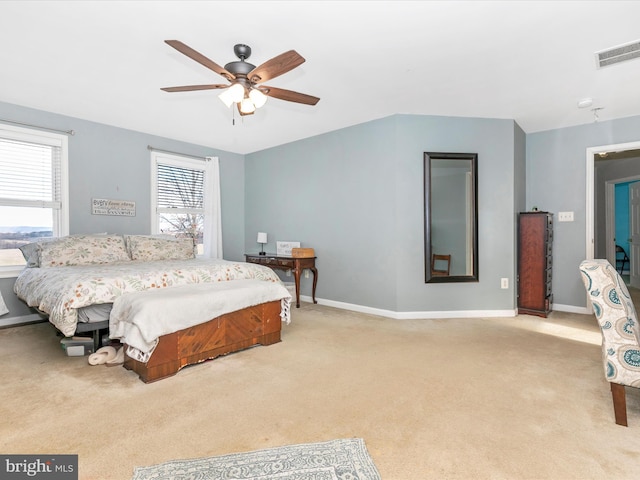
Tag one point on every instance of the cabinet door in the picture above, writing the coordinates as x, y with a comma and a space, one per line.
533, 274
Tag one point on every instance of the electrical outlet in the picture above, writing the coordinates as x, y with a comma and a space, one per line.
504, 283
565, 216
288, 273
306, 274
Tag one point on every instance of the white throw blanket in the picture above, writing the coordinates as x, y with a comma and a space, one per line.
139, 319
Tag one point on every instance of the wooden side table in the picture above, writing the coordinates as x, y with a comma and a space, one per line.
295, 264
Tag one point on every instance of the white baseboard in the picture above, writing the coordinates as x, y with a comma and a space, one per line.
14, 321
434, 314
412, 315
571, 309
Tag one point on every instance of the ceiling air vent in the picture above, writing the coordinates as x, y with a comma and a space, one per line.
618, 54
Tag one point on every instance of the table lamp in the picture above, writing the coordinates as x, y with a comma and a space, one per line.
262, 239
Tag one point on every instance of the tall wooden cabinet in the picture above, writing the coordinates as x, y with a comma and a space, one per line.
535, 236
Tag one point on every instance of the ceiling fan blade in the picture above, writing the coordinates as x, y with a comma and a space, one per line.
289, 95
198, 57
276, 66
188, 88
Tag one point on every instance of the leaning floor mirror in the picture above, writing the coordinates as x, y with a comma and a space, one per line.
451, 217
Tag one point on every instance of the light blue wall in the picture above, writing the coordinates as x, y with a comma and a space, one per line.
114, 163
334, 193
556, 182
520, 189
356, 196
493, 141
520, 169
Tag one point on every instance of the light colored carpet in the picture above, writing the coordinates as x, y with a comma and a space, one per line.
506, 398
345, 459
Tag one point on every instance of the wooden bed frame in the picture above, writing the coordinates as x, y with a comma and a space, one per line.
260, 324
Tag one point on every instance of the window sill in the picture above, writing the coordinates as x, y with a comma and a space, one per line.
11, 271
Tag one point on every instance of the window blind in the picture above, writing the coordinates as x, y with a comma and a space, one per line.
180, 188
31, 174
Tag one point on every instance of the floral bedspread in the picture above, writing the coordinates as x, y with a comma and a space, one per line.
60, 291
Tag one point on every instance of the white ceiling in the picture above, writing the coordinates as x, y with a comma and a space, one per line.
528, 61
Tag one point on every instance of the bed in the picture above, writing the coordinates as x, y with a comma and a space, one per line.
129, 282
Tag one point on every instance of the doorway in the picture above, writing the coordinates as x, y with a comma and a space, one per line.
622, 199
621, 150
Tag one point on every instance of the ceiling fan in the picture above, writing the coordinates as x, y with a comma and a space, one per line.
245, 88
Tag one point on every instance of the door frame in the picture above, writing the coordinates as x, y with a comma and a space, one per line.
610, 220
590, 194
590, 188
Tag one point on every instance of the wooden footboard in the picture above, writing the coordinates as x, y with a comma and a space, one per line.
260, 324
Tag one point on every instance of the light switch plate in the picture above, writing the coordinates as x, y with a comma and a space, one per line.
565, 216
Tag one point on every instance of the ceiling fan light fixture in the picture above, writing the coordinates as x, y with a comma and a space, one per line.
247, 106
236, 92
225, 96
257, 97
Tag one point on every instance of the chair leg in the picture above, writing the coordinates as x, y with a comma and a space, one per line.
619, 403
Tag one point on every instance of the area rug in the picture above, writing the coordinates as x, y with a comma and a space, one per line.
332, 460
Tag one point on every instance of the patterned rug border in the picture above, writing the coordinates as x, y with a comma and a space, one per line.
330, 460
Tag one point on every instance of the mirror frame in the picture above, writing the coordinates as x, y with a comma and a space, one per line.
473, 158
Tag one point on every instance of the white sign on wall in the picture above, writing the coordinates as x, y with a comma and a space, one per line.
284, 248
103, 206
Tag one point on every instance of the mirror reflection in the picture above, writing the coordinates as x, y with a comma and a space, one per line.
450, 197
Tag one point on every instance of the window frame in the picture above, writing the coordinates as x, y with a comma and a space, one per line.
192, 163
61, 220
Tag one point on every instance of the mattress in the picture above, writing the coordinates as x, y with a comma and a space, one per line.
95, 313
61, 292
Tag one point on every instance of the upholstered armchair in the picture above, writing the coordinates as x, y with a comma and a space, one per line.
616, 315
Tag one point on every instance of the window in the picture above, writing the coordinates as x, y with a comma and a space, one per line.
185, 200
33, 191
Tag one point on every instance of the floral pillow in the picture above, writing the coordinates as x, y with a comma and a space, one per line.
149, 247
82, 250
31, 253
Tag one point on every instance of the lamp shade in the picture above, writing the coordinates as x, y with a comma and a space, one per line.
226, 97
257, 97
262, 237
247, 106
236, 91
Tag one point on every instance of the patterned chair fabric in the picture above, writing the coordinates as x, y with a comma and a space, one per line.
616, 315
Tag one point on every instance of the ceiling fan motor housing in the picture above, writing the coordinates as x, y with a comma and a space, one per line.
242, 51
241, 67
